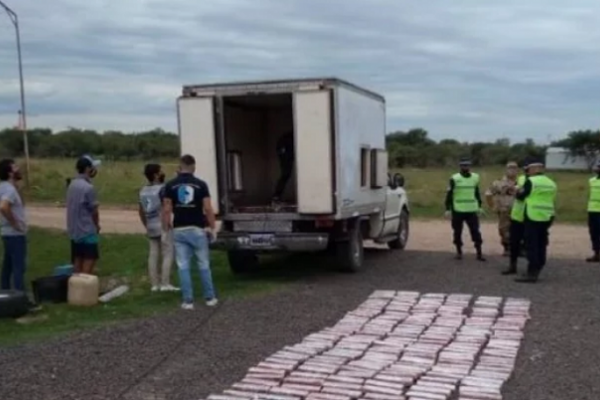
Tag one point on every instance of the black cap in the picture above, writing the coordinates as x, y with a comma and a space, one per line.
465, 162
532, 162
86, 161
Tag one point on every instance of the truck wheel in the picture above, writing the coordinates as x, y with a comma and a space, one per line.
403, 230
350, 253
242, 261
13, 304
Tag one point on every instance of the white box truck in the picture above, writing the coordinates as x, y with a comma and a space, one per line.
339, 193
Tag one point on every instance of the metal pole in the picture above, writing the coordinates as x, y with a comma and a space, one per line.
23, 113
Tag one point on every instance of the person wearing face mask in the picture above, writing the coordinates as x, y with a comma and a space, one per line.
463, 205
160, 240
13, 227
83, 221
593, 210
500, 198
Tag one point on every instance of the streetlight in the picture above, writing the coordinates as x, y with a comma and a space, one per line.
22, 113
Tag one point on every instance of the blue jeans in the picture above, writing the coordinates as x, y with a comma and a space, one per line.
190, 242
13, 266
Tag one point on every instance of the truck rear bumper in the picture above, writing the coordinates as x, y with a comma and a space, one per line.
271, 241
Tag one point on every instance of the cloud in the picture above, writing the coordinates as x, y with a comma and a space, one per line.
470, 69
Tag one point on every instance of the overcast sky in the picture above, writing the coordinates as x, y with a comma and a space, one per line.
467, 69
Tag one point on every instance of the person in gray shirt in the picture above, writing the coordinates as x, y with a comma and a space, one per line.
161, 241
83, 222
13, 228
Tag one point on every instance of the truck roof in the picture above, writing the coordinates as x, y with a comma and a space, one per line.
271, 86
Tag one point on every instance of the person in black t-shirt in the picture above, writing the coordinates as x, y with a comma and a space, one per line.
188, 211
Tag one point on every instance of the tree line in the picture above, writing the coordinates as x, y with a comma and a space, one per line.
412, 148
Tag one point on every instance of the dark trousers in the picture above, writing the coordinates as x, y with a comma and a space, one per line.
13, 265
517, 233
594, 228
286, 165
472, 221
536, 234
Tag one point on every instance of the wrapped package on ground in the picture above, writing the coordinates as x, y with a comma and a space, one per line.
272, 396
354, 394
342, 385
345, 379
264, 382
225, 397
287, 391
249, 387
241, 394
382, 390
326, 396
381, 396
411, 394
302, 386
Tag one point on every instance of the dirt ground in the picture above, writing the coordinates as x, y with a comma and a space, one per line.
566, 241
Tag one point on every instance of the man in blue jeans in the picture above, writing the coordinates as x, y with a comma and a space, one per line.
188, 211
13, 227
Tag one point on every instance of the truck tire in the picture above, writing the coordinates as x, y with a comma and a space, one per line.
403, 230
350, 253
242, 261
13, 304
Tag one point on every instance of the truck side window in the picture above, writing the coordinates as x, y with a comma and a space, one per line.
364, 166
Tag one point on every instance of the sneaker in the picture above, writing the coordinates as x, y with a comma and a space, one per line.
155, 288
212, 302
169, 288
187, 306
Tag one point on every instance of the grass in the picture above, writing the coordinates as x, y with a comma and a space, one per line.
122, 256
118, 183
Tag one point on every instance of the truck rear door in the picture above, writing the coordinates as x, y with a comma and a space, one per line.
314, 151
196, 118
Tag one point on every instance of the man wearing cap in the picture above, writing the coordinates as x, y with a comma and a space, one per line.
83, 223
517, 227
500, 198
539, 195
463, 204
593, 209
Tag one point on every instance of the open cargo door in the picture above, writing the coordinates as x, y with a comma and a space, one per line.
196, 116
314, 151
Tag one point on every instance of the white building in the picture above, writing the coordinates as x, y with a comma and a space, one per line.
558, 158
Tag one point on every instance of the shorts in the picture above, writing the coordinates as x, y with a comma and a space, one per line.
85, 248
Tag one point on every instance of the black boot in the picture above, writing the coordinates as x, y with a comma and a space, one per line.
529, 278
480, 256
511, 270
594, 258
458, 255
506, 251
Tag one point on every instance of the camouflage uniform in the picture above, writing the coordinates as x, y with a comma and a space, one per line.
503, 194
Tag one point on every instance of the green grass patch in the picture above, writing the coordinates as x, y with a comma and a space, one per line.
122, 256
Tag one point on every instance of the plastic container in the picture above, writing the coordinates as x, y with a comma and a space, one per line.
83, 290
50, 289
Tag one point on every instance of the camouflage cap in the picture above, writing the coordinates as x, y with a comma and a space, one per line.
512, 164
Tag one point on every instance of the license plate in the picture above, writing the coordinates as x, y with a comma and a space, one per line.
262, 240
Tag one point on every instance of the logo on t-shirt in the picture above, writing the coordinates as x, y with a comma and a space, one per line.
185, 194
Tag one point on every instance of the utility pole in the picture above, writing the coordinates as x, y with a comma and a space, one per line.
14, 18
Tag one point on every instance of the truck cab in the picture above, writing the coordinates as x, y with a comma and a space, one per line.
338, 191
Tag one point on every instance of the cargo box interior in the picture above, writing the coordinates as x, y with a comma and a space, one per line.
253, 126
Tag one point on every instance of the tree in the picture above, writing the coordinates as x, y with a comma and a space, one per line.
582, 143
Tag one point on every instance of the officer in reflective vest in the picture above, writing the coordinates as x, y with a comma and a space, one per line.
593, 209
538, 194
517, 217
463, 204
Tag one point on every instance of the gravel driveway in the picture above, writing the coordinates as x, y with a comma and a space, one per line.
187, 355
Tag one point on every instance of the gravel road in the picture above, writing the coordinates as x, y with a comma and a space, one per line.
187, 355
